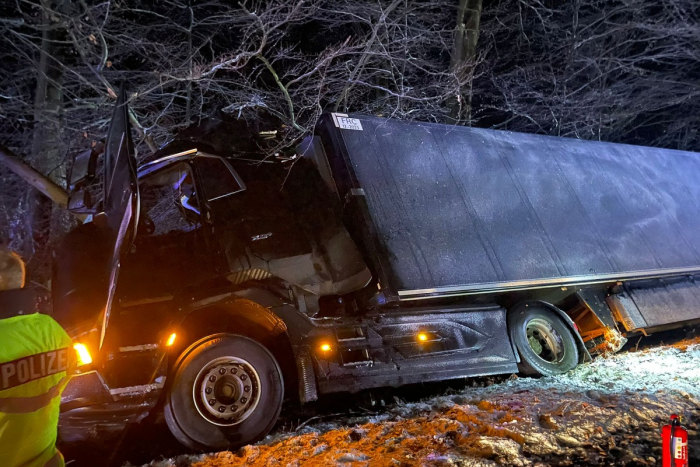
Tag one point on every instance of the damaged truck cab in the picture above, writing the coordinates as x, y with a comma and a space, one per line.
196, 258
200, 223
383, 253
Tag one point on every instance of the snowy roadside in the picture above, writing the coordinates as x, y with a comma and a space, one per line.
607, 412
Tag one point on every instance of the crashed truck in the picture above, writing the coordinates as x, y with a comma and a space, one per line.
214, 289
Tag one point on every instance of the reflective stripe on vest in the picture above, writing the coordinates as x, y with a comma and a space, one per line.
31, 404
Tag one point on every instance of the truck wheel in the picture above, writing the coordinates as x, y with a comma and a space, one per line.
545, 343
226, 392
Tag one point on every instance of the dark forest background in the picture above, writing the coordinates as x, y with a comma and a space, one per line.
615, 70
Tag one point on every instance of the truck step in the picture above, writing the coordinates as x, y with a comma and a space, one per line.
353, 346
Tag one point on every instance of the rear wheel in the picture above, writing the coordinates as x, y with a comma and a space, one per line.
545, 343
226, 392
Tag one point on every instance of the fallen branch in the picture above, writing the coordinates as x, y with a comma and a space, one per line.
35, 178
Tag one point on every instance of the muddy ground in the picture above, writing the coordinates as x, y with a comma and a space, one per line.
608, 412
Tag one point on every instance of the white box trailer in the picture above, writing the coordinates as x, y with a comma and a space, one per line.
453, 210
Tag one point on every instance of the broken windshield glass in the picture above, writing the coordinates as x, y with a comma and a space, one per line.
169, 200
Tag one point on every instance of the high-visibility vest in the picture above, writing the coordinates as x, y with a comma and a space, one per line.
35, 354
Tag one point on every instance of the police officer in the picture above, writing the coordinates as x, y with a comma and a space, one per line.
36, 358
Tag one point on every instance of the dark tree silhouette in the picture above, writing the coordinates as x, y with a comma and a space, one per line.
617, 70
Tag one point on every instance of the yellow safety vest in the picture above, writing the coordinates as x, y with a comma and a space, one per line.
35, 353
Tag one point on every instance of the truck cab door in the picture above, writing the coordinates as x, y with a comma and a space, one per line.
121, 197
221, 188
87, 261
172, 253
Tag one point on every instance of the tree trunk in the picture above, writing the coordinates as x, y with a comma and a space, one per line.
464, 55
188, 104
47, 145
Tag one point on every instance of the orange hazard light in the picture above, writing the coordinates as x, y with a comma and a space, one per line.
171, 340
84, 357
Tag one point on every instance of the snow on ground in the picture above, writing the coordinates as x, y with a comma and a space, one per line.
607, 412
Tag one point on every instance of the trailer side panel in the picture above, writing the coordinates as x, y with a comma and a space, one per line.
458, 209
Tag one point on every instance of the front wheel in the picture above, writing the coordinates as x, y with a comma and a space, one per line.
226, 392
545, 343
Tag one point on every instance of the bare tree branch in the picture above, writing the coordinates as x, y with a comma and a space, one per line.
34, 178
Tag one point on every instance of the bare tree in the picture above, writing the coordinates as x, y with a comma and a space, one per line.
619, 70
186, 61
612, 70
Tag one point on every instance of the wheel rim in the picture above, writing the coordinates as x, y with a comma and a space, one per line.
544, 340
226, 391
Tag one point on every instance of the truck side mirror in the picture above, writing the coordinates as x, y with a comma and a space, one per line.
80, 202
84, 168
83, 175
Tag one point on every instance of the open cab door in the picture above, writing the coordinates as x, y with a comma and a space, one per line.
120, 204
86, 264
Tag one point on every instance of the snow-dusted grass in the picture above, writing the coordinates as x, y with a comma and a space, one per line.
663, 368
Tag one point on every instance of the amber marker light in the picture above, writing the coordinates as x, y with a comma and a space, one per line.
325, 348
422, 337
84, 357
171, 340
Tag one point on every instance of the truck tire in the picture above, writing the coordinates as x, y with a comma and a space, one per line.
226, 392
545, 343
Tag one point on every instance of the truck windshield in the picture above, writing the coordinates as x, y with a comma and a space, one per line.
169, 200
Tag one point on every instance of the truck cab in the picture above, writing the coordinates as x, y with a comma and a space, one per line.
193, 246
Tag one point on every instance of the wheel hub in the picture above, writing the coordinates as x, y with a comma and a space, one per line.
227, 390
535, 345
544, 340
